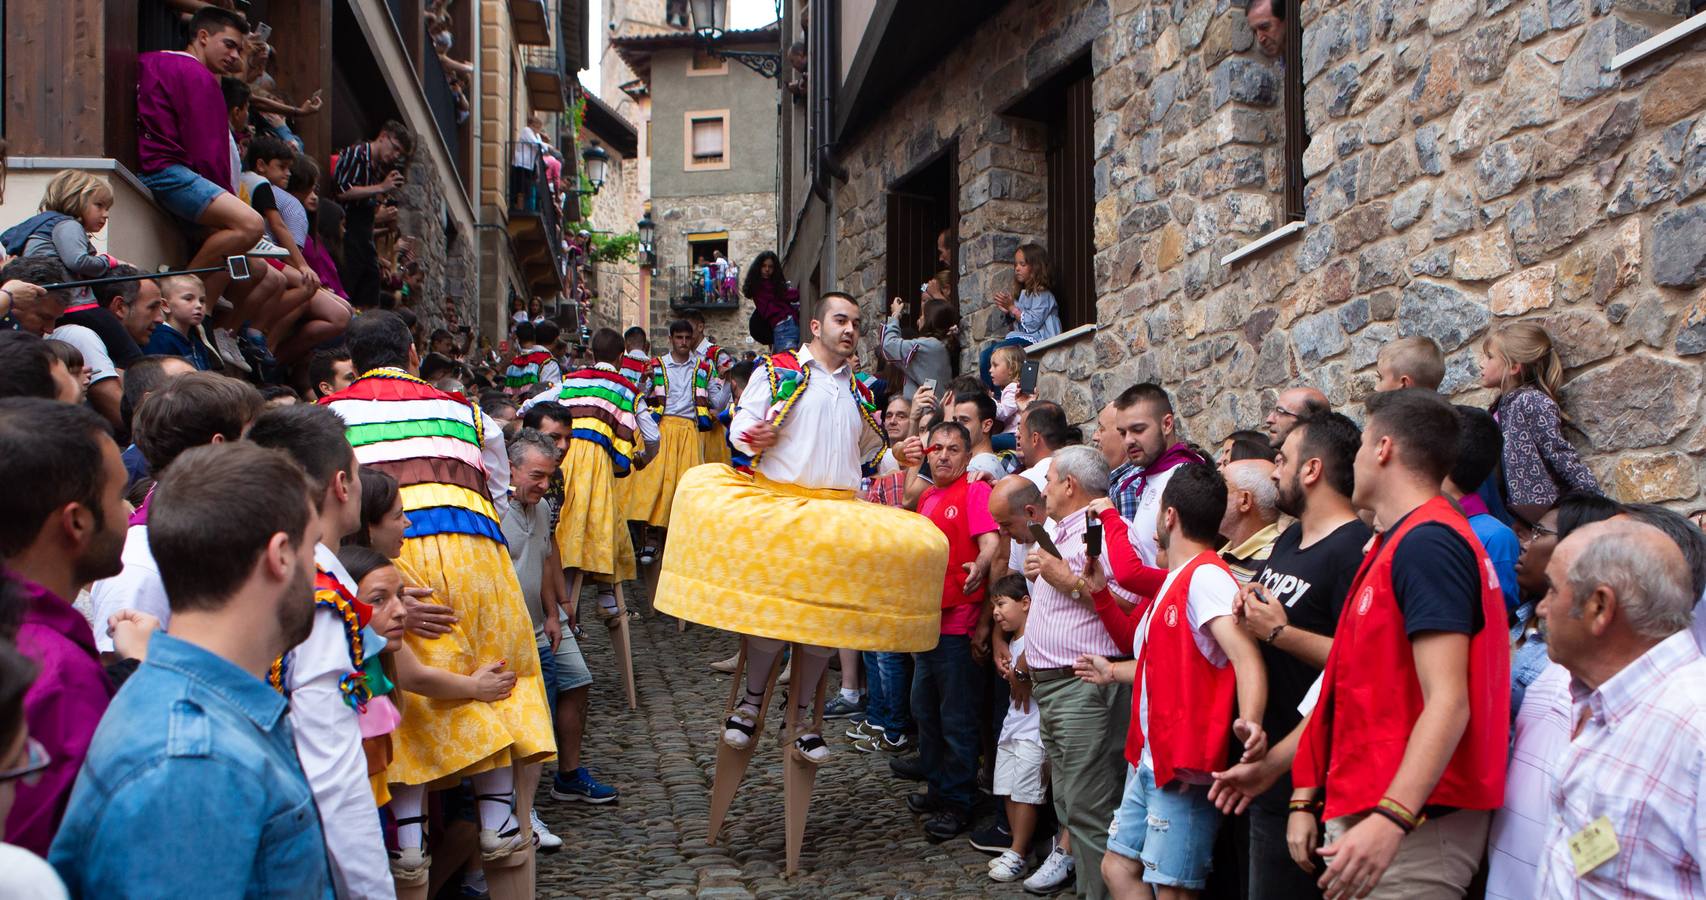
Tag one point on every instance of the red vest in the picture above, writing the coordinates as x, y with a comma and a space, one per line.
951, 515
1190, 699
1371, 697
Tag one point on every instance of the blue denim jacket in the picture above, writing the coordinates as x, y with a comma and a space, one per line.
192, 789
1528, 660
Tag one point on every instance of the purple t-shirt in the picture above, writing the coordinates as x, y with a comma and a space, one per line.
181, 117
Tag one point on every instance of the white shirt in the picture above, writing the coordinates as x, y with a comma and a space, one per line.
1142, 530
137, 586
1021, 725
1211, 593
495, 457
719, 390
95, 357
26, 876
989, 464
823, 441
678, 385
527, 148
328, 742
1539, 740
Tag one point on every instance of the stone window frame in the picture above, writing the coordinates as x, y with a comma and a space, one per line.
687, 161
1688, 26
693, 71
1296, 142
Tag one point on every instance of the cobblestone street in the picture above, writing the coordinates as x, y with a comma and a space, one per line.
860, 839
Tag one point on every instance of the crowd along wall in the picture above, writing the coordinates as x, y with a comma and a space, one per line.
1471, 162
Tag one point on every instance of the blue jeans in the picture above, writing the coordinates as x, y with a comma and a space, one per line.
1170, 829
182, 192
946, 696
786, 335
886, 690
988, 351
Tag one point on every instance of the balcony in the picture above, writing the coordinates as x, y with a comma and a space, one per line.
530, 20
447, 111
547, 86
691, 287
535, 222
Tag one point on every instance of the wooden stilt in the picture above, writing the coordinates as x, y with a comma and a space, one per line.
512, 877
731, 763
799, 774
622, 643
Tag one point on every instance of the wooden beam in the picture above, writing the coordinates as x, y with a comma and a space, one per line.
303, 65
53, 107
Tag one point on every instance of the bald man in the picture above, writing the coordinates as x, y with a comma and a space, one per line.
1251, 522
1292, 404
1617, 618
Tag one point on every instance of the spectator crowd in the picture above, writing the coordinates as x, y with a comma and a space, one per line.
255, 644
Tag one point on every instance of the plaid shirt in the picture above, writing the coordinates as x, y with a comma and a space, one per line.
1639, 759
1122, 489
889, 489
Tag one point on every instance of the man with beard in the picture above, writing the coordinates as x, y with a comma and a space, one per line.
192, 780
1291, 609
808, 565
324, 675
62, 484
1143, 416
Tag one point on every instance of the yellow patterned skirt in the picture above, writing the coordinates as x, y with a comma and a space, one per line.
652, 492
766, 558
442, 741
716, 443
591, 535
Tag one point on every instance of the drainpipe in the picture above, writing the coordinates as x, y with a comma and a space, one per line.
823, 68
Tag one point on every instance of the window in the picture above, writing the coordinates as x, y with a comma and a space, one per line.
703, 63
1071, 203
1296, 131
705, 140
920, 206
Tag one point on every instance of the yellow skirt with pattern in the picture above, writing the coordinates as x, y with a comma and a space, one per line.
653, 489
716, 443
766, 558
591, 535
442, 741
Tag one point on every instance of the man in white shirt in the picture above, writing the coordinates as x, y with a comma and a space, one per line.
684, 396
323, 720
1143, 415
808, 564
190, 410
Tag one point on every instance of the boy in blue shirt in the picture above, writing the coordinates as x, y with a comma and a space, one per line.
180, 334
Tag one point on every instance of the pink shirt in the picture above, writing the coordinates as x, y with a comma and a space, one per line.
961, 619
1059, 629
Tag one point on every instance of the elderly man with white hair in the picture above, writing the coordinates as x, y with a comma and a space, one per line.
1251, 522
1627, 819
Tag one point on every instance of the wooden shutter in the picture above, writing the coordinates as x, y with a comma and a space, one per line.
1071, 204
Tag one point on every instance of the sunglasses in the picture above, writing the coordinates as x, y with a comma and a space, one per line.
38, 759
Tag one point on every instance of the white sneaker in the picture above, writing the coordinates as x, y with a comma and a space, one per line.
542, 836
268, 250
226, 343
1006, 867
1055, 874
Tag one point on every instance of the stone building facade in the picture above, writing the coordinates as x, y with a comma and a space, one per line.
1470, 163
749, 219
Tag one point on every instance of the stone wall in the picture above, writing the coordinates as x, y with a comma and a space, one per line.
451, 266
1472, 162
750, 220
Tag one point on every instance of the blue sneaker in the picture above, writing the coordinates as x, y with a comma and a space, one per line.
580, 785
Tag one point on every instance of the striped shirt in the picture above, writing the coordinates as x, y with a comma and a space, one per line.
356, 169
601, 403
1247, 558
1059, 628
1639, 759
1122, 489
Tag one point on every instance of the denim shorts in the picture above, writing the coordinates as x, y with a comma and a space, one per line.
1170, 830
565, 669
182, 192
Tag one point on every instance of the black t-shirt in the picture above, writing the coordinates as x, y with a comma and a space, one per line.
262, 199
1436, 581
1312, 583
120, 345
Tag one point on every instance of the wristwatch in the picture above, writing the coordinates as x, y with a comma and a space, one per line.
1080, 588
1023, 675
1274, 635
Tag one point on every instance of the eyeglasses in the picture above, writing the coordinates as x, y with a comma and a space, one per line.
1282, 411
37, 761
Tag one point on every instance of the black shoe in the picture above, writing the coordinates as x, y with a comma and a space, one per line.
910, 768
921, 803
994, 840
945, 825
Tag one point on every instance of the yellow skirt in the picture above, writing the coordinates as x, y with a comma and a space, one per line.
653, 488
591, 535
443, 741
716, 444
766, 558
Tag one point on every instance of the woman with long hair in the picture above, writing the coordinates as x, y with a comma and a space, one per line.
774, 302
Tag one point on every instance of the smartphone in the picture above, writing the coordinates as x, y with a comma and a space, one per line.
1042, 539
928, 386
238, 266
1092, 536
1028, 376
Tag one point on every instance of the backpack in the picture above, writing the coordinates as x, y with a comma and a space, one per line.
760, 329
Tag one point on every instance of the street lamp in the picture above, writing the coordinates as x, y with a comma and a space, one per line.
597, 161
648, 233
709, 20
